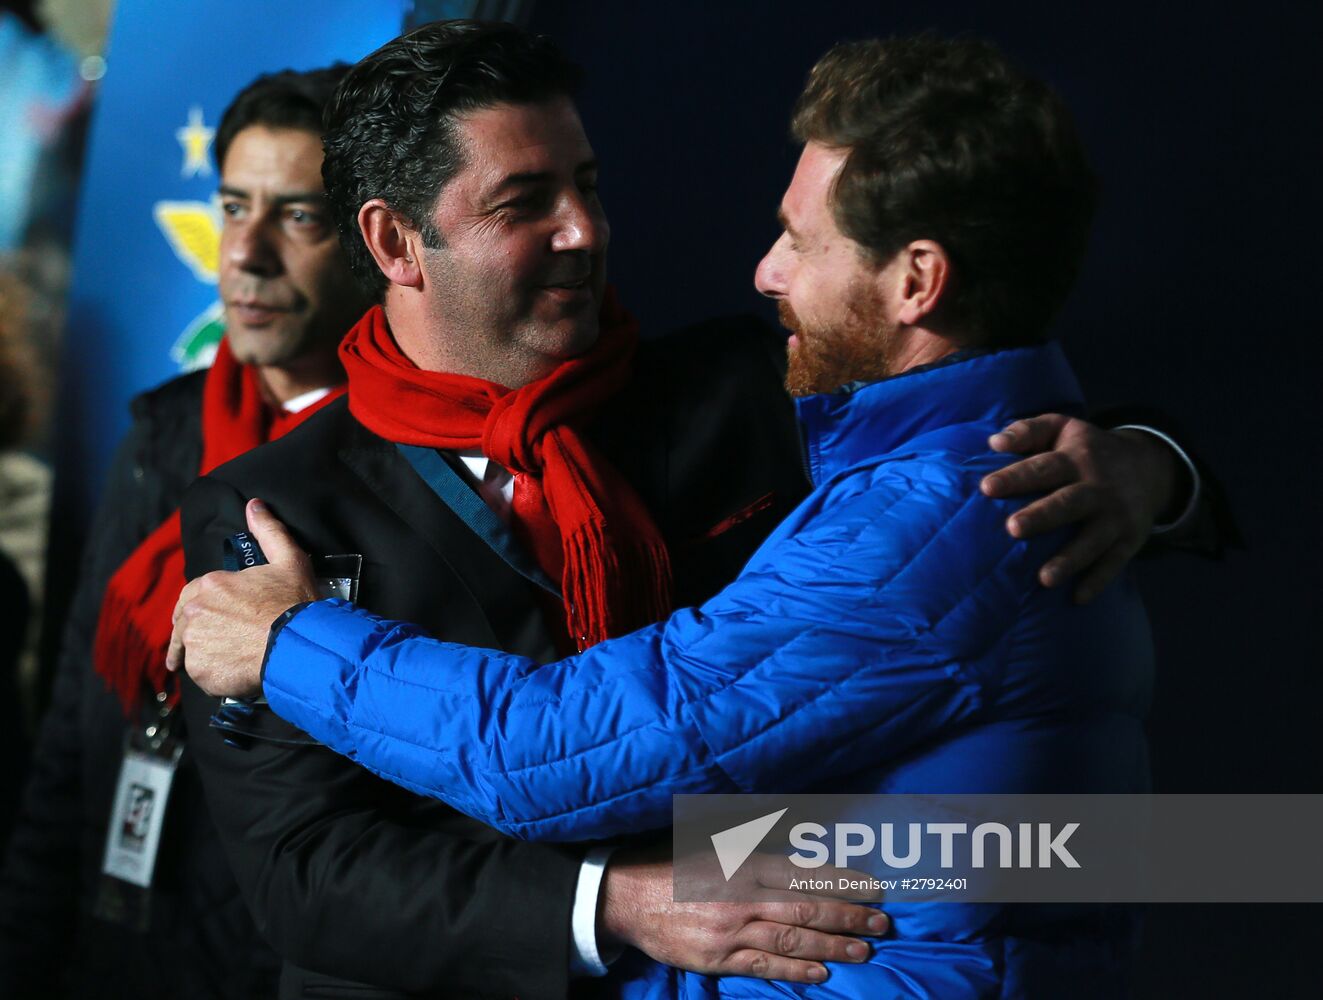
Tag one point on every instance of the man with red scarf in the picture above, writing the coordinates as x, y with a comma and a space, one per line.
288, 297
515, 469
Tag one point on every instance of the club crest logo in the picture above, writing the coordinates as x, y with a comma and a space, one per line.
192, 229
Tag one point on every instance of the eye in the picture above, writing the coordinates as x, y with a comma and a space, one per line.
529, 203
305, 217
306, 223
230, 208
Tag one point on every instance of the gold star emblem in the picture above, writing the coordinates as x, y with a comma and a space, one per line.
196, 138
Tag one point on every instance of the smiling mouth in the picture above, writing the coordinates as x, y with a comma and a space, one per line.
575, 295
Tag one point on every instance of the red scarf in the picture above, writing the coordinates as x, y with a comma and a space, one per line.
133, 631
583, 522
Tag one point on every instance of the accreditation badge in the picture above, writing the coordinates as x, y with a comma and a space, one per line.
133, 836
138, 815
337, 576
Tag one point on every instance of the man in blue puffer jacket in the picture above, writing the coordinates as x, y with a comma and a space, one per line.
889, 636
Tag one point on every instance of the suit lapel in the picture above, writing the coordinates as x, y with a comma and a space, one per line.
453, 491
488, 580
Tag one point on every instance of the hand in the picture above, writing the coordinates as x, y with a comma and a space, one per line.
784, 935
222, 619
1113, 483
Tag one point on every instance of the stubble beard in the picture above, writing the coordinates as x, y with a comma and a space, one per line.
826, 358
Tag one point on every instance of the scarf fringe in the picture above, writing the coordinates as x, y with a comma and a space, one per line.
642, 570
127, 659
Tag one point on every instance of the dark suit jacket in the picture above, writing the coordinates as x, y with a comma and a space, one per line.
355, 878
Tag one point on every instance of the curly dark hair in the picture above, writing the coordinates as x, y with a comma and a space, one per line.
390, 131
948, 141
288, 99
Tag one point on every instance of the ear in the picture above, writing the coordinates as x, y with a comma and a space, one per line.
394, 245
921, 273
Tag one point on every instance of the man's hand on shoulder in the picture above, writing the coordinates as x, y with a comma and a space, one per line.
782, 935
1113, 484
222, 620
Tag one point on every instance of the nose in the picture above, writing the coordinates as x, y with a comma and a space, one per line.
247, 245
583, 225
769, 276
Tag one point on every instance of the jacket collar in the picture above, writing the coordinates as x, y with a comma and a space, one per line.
866, 419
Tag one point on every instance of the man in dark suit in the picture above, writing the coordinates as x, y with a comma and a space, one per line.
513, 469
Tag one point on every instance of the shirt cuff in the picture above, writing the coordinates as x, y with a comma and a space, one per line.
1197, 489
585, 958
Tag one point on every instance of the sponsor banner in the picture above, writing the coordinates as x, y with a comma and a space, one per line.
1002, 848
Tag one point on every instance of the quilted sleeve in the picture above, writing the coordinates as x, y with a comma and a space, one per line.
867, 623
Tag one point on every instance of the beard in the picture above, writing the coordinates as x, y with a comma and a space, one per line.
857, 349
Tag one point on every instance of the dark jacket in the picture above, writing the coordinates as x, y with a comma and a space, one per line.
348, 874
200, 940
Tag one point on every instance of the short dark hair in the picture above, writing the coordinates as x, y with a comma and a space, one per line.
288, 99
391, 127
948, 141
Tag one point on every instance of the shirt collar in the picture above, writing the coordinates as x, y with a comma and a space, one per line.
304, 400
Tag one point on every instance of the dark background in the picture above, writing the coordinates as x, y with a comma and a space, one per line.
1198, 297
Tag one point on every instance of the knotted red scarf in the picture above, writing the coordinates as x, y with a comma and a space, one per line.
133, 631
583, 522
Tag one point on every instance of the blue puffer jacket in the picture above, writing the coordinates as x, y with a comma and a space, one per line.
890, 636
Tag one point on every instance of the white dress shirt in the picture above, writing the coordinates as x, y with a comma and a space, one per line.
1196, 482
304, 400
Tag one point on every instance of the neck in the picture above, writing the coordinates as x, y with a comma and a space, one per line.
281, 383
916, 346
